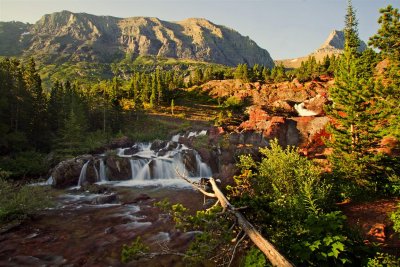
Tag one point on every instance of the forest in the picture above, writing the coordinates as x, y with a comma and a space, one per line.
291, 200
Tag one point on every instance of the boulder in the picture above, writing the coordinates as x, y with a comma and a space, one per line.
189, 160
105, 199
282, 106
66, 173
316, 104
132, 150
158, 145
215, 133
118, 168
377, 233
170, 146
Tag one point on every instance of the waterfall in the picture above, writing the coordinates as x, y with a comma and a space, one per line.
97, 173
175, 138
140, 169
103, 177
202, 168
50, 181
82, 176
302, 111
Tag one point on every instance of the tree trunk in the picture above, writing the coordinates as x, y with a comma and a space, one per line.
264, 245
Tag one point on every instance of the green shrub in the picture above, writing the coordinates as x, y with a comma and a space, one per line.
384, 260
254, 258
395, 217
20, 202
134, 251
289, 200
28, 163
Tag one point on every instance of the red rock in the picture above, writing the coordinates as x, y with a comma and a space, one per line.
377, 232
390, 146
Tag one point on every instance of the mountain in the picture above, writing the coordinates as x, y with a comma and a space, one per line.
333, 45
74, 37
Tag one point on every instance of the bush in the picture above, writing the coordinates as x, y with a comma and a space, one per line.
289, 200
395, 217
134, 251
20, 202
28, 163
384, 260
254, 258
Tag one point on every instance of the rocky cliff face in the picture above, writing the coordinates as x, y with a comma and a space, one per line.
71, 36
334, 44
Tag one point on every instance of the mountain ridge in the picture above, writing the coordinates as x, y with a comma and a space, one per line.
66, 36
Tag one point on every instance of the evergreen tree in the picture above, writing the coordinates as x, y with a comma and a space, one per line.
351, 29
387, 40
388, 36
38, 129
353, 113
55, 107
153, 92
71, 136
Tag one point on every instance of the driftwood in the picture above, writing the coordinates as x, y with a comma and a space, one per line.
273, 255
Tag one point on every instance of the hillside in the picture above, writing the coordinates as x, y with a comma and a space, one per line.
333, 45
74, 37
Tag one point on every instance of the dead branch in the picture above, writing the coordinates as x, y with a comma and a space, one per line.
273, 255
197, 187
234, 249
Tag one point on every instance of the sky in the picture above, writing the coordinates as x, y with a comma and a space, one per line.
286, 28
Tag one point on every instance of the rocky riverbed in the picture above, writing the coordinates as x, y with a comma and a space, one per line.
86, 229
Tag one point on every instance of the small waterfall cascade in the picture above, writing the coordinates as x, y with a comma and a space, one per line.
202, 168
302, 111
176, 137
103, 177
82, 176
159, 162
140, 169
164, 160
50, 181
96, 172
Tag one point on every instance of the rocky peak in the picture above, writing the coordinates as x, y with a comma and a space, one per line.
335, 42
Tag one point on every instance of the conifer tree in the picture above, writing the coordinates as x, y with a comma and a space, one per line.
353, 114
38, 129
387, 41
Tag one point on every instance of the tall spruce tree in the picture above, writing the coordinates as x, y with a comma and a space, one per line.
354, 117
39, 134
387, 41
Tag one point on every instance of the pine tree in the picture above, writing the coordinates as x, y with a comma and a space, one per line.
388, 36
387, 41
39, 129
353, 113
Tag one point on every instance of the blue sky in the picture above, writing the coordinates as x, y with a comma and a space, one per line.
286, 28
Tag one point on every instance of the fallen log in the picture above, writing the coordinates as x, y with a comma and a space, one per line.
273, 255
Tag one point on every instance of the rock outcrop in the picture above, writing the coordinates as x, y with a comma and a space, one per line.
67, 172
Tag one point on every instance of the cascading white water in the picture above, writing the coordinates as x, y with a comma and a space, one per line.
97, 173
82, 176
302, 111
158, 163
140, 169
103, 177
166, 162
202, 168
50, 181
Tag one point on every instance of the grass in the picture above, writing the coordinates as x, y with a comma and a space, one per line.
20, 202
